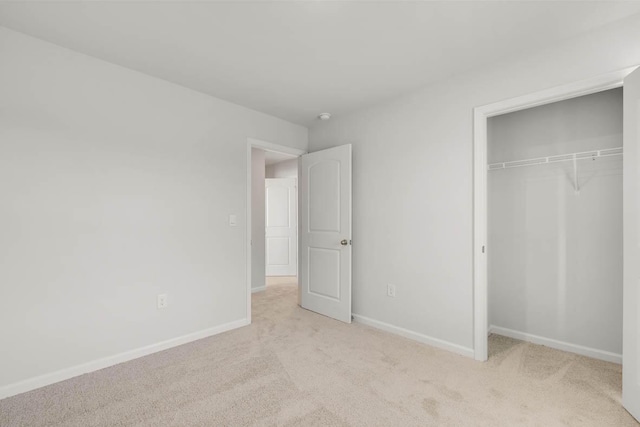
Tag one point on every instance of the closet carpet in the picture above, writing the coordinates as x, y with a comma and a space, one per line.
292, 367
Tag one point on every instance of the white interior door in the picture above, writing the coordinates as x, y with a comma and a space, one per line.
325, 232
631, 220
281, 226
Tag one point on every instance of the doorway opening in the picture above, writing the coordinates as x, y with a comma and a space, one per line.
480, 196
272, 218
554, 202
323, 231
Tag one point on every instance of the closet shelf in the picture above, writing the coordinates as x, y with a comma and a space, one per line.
572, 157
558, 158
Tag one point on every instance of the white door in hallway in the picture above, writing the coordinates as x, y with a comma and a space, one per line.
325, 232
631, 221
281, 226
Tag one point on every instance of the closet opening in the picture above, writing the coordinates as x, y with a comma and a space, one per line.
554, 228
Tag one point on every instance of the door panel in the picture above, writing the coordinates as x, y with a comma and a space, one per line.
324, 272
277, 196
278, 251
324, 206
281, 226
325, 232
631, 220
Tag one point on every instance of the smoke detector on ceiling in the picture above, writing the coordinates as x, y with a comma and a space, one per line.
324, 116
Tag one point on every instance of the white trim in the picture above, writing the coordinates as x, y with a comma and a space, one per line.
425, 339
480, 312
267, 146
480, 116
74, 371
258, 289
558, 345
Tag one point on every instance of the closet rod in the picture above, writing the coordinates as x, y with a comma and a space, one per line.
607, 152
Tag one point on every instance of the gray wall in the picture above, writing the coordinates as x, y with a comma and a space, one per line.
284, 169
555, 257
413, 181
116, 187
257, 219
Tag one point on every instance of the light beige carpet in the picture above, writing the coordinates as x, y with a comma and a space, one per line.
293, 367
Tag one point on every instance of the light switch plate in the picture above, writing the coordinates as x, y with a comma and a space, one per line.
162, 301
391, 290
233, 220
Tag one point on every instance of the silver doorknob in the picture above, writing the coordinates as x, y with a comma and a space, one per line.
344, 242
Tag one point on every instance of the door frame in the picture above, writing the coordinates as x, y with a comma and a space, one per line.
480, 215
266, 146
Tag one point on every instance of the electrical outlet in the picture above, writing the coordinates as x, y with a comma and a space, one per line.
162, 301
391, 290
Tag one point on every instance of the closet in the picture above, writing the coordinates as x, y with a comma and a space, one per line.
555, 225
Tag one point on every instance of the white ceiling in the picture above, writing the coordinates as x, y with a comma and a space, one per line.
297, 59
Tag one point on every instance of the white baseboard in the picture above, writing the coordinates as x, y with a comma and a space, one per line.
74, 371
258, 289
434, 342
558, 345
